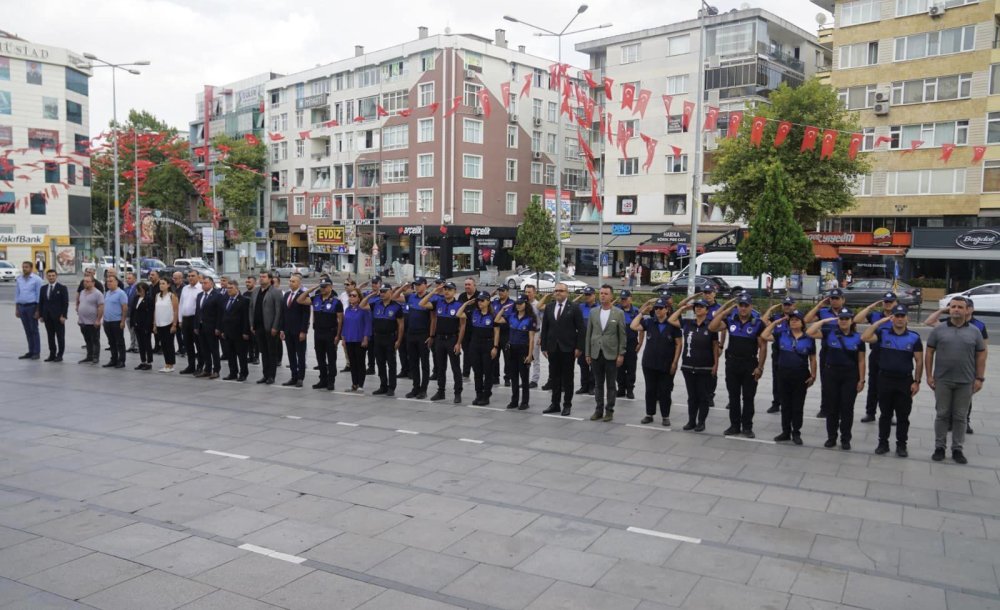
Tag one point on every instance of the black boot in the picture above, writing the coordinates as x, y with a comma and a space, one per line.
439, 395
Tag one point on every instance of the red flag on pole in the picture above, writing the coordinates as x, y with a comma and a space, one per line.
359, 119
526, 88
757, 130
251, 139
809, 138
589, 77
784, 128
484, 101
505, 94
857, 139
623, 137
829, 144
554, 77
583, 144
677, 150
711, 118
641, 102
688, 113
455, 103
946, 150
978, 152
607, 86
304, 134
588, 109
735, 119
433, 107
380, 111
595, 196
628, 95
607, 119
879, 141
914, 145
405, 112
650, 151
275, 137
331, 123
667, 101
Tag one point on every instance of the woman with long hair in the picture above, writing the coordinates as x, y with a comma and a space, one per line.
142, 325
519, 317
796, 372
165, 321
845, 373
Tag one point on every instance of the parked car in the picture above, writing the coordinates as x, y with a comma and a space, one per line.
860, 293
986, 298
546, 281
199, 265
7, 271
727, 266
104, 263
514, 280
288, 269
148, 264
679, 285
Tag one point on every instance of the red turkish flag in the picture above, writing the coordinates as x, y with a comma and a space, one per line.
809, 138
667, 101
405, 112
331, 123
607, 86
757, 130
857, 140
484, 101
735, 119
251, 139
829, 143
688, 113
642, 102
589, 77
623, 137
677, 150
275, 137
784, 128
554, 77
882, 140
583, 144
588, 110
914, 145
978, 152
380, 111
946, 150
433, 107
505, 94
201, 151
711, 118
607, 119
455, 103
304, 134
650, 151
595, 196
628, 95
526, 88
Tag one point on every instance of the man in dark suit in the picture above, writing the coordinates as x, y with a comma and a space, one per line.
563, 337
251, 283
294, 328
266, 308
235, 327
208, 310
53, 305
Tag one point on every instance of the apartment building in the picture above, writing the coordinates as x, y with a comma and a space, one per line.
44, 165
397, 141
923, 76
747, 54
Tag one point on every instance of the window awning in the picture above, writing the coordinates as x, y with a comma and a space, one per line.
825, 252
872, 251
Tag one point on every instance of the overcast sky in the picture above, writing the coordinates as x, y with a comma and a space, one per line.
196, 42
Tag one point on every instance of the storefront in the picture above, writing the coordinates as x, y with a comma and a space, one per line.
862, 254
447, 251
38, 249
331, 247
960, 256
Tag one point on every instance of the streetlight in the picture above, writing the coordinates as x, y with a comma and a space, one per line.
135, 200
127, 67
559, 138
706, 11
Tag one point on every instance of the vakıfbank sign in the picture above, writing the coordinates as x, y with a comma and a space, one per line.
20, 239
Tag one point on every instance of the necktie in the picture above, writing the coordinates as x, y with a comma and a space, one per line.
558, 310
291, 295
230, 304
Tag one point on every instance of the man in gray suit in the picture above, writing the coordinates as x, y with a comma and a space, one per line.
266, 307
605, 351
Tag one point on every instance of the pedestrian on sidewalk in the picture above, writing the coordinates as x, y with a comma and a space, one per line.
27, 287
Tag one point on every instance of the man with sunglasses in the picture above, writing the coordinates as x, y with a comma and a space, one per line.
745, 358
826, 309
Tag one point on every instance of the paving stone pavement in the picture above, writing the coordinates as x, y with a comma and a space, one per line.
126, 489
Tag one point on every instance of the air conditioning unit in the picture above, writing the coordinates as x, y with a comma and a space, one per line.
881, 108
470, 74
511, 118
537, 155
881, 97
936, 10
479, 111
537, 122
714, 61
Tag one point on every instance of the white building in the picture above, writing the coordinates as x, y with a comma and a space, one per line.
44, 165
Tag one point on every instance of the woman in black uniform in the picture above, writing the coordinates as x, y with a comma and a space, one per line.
796, 372
520, 342
845, 373
481, 346
659, 360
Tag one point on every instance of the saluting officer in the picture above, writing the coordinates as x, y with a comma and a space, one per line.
447, 337
483, 345
659, 361
700, 362
519, 317
633, 343
387, 326
496, 305
826, 309
796, 372
869, 315
328, 318
420, 322
787, 307
746, 356
845, 376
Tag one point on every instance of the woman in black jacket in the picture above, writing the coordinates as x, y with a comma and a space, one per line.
142, 324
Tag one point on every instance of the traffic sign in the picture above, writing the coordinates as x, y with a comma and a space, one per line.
682, 250
604, 259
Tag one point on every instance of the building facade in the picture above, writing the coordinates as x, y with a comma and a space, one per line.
923, 76
747, 54
44, 160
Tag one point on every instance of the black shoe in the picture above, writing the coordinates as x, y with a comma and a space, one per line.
830, 443
506, 383
968, 429
582, 391
320, 386
647, 420
391, 394
380, 392
477, 402
57, 359
867, 419
774, 410
241, 378
598, 415
630, 394
551, 409
882, 449
959, 457
187, 371
346, 369
84, 361
901, 451
700, 427
524, 406
566, 411
711, 403
140, 367
458, 400
316, 368
330, 387
666, 422
290, 383
845, 445
546, 387
749, 434
24, 357
270, 381
821, 414
421, 395
512, 404
49, 359
110, 365
590, 391
783, 437
731, 430
262, 380
229, 377
689, 426
120, 365
620, 393
411, 394
369, 371
532, 385
439, 395
938, 454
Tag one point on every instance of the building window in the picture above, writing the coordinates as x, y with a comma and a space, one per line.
395, 205
550, 143
367, 107
425, 165
510, 207
425, 130
926, 182
472, 202
298, 119
552, 112
993, 128
550, 175
932, 44
863, 186
674, 205
536, 173
42, 138
425, 94
472, 131
51, 172
858, 55
991, 177
536, 108
628, 167
284, 121
630, 53
395, 137
859, 11
868, 138
425, 200
86, 176
632, 127
74, 112
677, 164
536, 141
299, 205
300, 147
50, 108
913, 7
33, 73
7, 204
471, 97
319, 206
677, 84
511, 170
427, 61
856, 98
472, 166
394, 101
38, 204
935, 134
395, 171
4, 68
994, 77
368, 76
679, 45
512, 131
939, 89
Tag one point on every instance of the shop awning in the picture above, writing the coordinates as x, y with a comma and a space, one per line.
626, 242
954, 254
656, 248
585, 240
872, 251
825, 252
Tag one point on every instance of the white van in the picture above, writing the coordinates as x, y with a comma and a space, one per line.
726, 265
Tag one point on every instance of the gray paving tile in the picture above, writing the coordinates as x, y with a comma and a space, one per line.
860, 554
153, 590
653, 583
312, 509
712, 594
744, 510
190, 556
774, 574
394, 600
495, 519
43, 600
133, 540
85, 576
321, 590
876, 593
562, 532
353, 551
377, 495
498, 587
423, 569
227, 600
426, 534
562, 502
766, 538
719, 563
12, 591
252, 575
10, 537
363, 520
26, 514
970, 602
636, 547
822, 523
686, 501
681, 523
31, 556
486, 547
567, 596
429, 506
969, 575
567, 565
291, 536
820, 583
233, 522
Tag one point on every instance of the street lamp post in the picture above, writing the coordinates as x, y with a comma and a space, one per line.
114, 137
706, 11
559, 125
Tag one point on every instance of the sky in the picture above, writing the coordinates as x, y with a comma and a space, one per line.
196, 42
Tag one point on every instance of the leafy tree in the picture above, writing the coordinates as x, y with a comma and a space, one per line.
816, 188
536, 244
775, 243
240, 180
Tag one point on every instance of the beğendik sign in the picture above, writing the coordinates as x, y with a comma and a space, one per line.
978, 239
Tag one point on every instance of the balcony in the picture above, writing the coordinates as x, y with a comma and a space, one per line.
786, 60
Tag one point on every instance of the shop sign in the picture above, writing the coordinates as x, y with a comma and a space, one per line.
659, 276
882, 237
835, 238
621, 229
978, 239
477, 231
671, 237
21, 239
330, 236
486, 243
418, 230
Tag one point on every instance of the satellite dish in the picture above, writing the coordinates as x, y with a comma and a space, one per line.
821, 18
744, 6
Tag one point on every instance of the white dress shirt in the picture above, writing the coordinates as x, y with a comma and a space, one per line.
189, 300
605, 316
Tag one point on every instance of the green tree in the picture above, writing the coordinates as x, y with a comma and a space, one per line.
816, 188
775, 243
536, 244
240, 180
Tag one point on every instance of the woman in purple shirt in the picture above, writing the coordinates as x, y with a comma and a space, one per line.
356, 333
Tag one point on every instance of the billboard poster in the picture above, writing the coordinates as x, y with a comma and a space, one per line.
565, 210
65, 259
